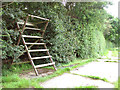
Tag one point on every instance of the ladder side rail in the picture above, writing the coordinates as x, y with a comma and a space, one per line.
18, 27
21, 62
38, 17
45, 29
28, 48
50, 57
29, 56
22, 30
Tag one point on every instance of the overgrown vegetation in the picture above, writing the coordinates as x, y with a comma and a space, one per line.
112, 32
75, 30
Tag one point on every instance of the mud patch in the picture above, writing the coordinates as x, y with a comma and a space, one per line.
42, 72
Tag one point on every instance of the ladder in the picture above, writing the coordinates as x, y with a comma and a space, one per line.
25, 26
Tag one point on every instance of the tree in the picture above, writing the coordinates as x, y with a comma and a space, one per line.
74, 30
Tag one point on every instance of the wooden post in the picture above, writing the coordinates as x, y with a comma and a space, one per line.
45, 29
22, 30
50, 57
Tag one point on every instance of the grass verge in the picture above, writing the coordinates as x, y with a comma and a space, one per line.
92, 87
11, 79
16, 69
93, 77
96, 78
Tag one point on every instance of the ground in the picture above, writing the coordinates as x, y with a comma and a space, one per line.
101, 73
42, 72
107, 71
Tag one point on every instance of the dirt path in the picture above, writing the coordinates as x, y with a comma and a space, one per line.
70, 80
104, 70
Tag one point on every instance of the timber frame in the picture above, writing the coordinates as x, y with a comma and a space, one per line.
37, 42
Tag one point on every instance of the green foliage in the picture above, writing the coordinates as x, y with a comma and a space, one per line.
15, 69
8, 79
109, 45
11, 79
92, 87
74, 30
106, 52
112, 32
115, 53
95, 77
10, 34
15, 81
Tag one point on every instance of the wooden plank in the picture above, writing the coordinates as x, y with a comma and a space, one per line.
41, 57
38, 17
37, 50
35, 43
28, 24
21, 63
43, 65
25, 50
34, 29
28, 36
41, 22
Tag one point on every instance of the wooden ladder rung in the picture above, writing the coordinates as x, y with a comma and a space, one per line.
41, 57
28, 36
37, 50
28, 24
43, 65
38, 17
28, 28
36, 43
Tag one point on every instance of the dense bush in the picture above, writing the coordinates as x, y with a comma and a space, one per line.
74, 30
109, 44
112, 32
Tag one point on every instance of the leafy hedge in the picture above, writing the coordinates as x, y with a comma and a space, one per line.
74, 30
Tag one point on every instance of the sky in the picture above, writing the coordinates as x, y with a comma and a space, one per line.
113, 9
